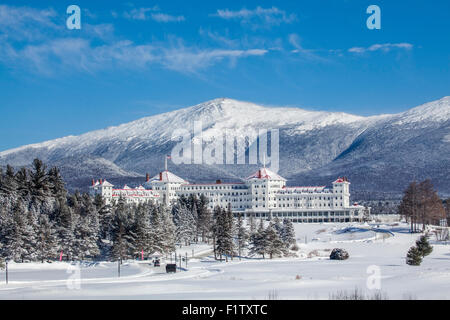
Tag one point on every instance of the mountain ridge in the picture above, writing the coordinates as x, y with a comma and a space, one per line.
314, 145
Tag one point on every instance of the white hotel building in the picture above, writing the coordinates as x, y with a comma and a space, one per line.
263, 194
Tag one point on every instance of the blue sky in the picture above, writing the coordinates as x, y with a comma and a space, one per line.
138, 58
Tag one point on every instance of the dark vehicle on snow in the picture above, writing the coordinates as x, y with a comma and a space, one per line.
171, 268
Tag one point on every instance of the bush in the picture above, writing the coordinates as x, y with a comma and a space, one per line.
298, 277
313, 253
294, 247
339, 254
414, 257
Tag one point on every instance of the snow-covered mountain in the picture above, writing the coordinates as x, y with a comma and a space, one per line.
380, 152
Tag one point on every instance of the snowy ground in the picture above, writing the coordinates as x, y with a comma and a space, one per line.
310, 275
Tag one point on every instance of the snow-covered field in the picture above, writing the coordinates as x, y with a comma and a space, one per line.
310, 275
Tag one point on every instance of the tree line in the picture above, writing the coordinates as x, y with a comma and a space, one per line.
41, 221
421, 206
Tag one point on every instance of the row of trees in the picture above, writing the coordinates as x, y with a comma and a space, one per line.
419, 251
40, 221
421, 205
233, 237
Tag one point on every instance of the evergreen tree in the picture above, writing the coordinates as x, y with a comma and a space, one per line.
118, 232
204, 217
30, 236
65, 222
221, 246
424, 246
215, 229
185, 224
23, 185
414, 257
56, 183
168, 230
252, 225
277, 226
241, 235
259, 240
162, 230
105, 217
273, 244
15, 235
46, 239
9, 182
39, 180
288, 233
142, 230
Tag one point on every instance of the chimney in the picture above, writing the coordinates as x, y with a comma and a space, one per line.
160, 176
101, 181
93, 182
259, 173
147, 177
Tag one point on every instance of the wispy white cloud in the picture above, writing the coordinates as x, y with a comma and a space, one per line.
152, 13
25, 23
385, 47
259, 17
163, 17
295, 41
190, 59
219, 38
95, 47
80, 55
139, 13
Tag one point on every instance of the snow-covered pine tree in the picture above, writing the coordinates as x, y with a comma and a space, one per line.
424, 246
23, 184
87, 229
30, 236
118, 231
276, 224
156, 230
168, 231
162, 230
56, 183
414, 257
288, 233
194, 214
229, 231
251, 224
185, 225
215, 228
221, 246
142, 230
64, 222
273, 244
46, 239
39, 181
204, 217
241, 235
15, 235
9, 183
258, 240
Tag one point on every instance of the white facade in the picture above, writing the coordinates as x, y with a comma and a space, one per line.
264, 194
